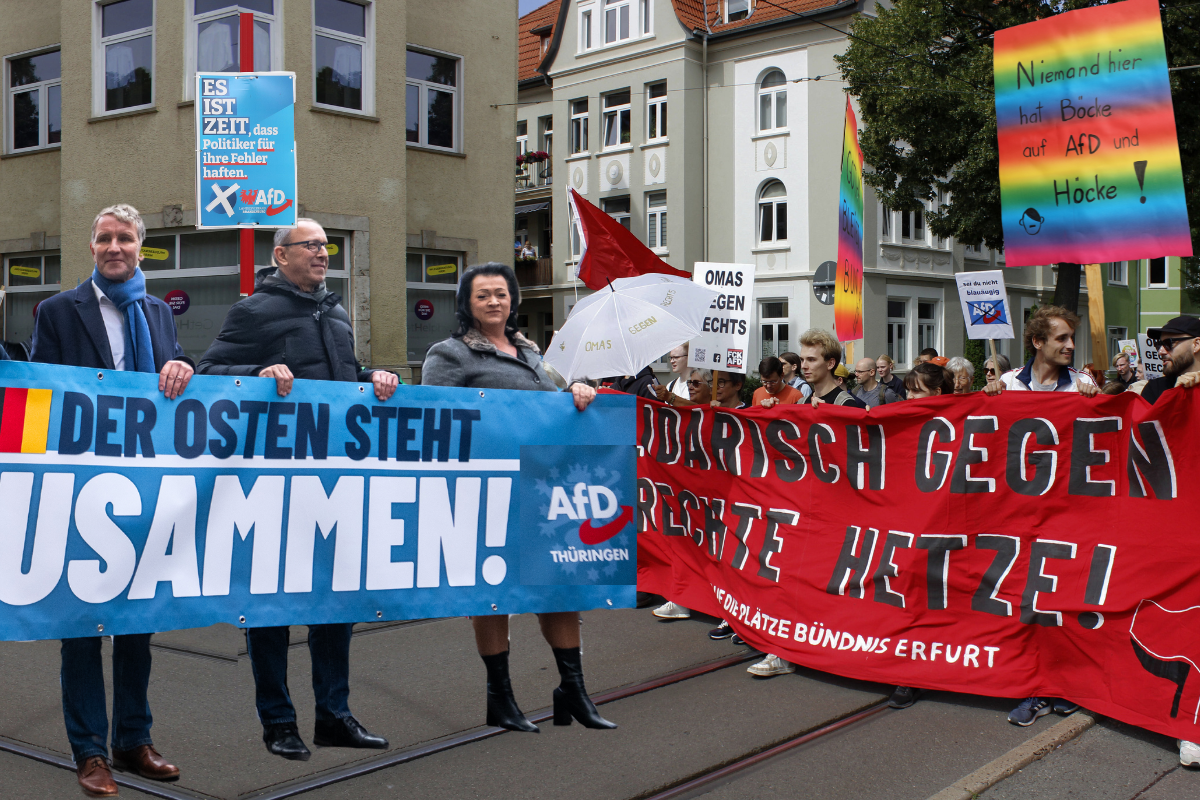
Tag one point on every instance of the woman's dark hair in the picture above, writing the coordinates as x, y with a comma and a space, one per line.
931, 376
462, 309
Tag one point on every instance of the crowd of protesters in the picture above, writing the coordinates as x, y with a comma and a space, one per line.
818, 375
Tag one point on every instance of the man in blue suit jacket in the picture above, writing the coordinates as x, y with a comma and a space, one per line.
109, 322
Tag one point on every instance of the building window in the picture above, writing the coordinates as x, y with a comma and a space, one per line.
213, 31
343, 54
772, 102
656, 221
772, 214
432, 100
773, 327
912, 226
1117, 274
926, 324
124, 62
585, 30
1115, 337
616, 20
616, 119
897, 328
432, 280
736, 9
576, 241
579, 126
34, 101
1157, 273
656, 111
28, 280
618, 209
522, 149
885, 223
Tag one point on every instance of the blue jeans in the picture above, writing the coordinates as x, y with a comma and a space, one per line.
329, 648
84, 711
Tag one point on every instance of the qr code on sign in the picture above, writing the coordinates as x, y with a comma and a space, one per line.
700, 355
733, 358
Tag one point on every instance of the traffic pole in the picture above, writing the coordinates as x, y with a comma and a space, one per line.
246, 242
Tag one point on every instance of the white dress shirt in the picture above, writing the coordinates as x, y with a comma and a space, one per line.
114, 325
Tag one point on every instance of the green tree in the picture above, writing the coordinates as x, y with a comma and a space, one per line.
922, 73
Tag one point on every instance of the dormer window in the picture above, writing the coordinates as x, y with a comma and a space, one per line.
736, 9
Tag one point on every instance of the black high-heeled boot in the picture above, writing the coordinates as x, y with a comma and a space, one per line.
570, 698
502, 710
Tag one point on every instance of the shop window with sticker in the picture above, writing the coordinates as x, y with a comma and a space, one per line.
28, 280
432, 282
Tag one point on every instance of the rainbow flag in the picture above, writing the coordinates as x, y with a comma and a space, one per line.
848, 303
24, 420
1089, 160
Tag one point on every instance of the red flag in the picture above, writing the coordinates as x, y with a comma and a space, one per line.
610, 251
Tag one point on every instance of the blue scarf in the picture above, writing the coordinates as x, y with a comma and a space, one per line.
127, 297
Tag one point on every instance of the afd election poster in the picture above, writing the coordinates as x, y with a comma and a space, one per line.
245, 149
961, 543
984, 304
848, 300
724, 339
123, 512
1089, 159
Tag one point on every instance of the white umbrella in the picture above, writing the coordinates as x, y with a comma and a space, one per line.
621, 329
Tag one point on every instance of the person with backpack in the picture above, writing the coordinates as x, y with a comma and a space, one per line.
820, 354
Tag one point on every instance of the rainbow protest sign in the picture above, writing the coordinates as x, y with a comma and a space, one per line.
848, 303
1089, 161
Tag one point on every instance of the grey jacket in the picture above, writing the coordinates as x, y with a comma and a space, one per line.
475, 363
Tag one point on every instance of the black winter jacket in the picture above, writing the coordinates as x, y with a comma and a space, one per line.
310, 333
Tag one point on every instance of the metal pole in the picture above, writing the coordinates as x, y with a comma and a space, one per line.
246, 242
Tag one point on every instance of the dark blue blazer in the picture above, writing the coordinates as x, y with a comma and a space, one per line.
70, 331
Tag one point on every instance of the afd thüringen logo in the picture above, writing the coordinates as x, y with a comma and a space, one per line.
592, 504
577, 506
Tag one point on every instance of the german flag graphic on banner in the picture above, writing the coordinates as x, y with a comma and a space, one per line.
24, 420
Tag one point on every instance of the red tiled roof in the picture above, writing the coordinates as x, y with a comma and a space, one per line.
529, 45
692, 13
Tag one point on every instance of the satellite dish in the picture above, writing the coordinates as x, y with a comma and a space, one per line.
825, 283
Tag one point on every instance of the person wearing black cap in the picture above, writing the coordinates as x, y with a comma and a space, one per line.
1179, 349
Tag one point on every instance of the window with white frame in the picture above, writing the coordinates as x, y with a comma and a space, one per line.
912, 226
522, 145
618, 209
576, 240
897, 331
773, 327
1115, 337
926, 324
432, 281
885, 223
656, 221
772, 101
123, 56
1117, 273
772, 214
1157, 273
585, 30
616, 20
656, 111
28, 280
33, 101
736, 9
616, 119
343, 54
432, 99
579, 126
214, 31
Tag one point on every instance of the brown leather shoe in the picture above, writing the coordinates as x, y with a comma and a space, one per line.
95, 778
145, 761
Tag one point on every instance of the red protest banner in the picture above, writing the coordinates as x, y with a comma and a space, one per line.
1011, 546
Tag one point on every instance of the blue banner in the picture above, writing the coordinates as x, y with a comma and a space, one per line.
245, 149
124, 512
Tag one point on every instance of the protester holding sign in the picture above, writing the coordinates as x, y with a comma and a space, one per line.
487, 351
729, 390
293, 327
109, 322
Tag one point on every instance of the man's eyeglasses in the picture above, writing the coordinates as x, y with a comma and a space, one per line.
776, 382
311, 245
1169, 344
863, 371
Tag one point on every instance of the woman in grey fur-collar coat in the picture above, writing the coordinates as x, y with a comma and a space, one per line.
488, 352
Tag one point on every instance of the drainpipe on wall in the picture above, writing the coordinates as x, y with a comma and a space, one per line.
704, 172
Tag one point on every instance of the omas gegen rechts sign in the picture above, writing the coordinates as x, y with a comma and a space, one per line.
245, 149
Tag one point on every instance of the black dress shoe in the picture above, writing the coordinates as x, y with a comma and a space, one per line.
903, 697
283, 739
346, 732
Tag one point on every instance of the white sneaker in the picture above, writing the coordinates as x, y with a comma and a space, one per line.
771, 665
1189, 754
671, 610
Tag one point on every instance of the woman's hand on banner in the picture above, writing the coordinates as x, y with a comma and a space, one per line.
583, 395
993, 388
283, 378
174, 378
385, 383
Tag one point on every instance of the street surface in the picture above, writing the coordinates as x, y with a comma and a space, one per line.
421, 683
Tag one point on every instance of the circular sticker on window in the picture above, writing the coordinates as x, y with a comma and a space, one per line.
178, 301
331, 248
424, 309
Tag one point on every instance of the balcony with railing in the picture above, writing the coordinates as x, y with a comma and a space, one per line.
533, 176
534, 272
